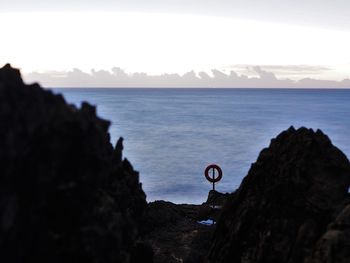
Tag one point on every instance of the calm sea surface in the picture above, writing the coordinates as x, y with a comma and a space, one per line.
172, 134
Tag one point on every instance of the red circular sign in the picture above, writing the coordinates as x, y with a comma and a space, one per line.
213, 167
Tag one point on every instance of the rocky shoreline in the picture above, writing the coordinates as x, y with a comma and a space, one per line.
68, 195
178, 232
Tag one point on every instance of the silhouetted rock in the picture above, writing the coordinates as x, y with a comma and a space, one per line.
65, 193
285, 203
142, 252
174, 233
119, 150
216, 198
334, 245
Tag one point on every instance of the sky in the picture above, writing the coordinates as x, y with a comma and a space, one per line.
178, 43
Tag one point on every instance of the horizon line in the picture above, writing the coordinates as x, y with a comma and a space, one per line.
196, 88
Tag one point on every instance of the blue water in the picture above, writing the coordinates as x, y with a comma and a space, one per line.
172, 134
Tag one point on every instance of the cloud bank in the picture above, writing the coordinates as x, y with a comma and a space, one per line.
217, 79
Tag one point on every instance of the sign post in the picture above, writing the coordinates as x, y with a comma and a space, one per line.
213, 169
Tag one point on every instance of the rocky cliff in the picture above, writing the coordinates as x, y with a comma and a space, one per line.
334, 245
286, 203
66, 195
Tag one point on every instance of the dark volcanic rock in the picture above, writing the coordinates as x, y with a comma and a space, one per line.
174, 233
65, 193
163, 213
216, 198
286, 201
334, 245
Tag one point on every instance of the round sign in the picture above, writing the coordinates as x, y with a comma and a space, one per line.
213, 167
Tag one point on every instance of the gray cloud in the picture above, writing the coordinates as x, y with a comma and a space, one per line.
218, 79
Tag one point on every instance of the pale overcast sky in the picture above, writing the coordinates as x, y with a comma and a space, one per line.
293, 39
335, 13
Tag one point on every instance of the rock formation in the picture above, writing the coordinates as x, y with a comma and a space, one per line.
216, 198
174, 233
283, 207
334, 245
65, 194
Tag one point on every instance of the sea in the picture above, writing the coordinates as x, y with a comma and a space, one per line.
171, 135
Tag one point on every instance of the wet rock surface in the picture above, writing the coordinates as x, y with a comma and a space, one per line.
66, 195
284, 205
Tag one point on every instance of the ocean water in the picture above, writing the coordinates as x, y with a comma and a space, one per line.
171, 135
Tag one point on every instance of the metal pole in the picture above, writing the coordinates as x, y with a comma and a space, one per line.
213, 176
213, 179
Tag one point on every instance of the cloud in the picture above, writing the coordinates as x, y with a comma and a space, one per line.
117, 77
297, 68
265, 75
285, 71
